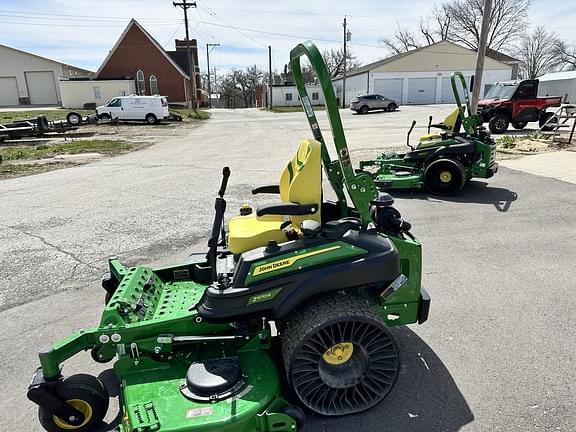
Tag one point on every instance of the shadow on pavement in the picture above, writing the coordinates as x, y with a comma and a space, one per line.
475, 192
425, 397
377, 111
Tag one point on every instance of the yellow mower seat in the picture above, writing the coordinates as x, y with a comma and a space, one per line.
450, 125
249, 232
300, 183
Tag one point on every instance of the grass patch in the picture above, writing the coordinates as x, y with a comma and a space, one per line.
108, 147
507, 142
293, 109
13, 154
57, 114
199, 114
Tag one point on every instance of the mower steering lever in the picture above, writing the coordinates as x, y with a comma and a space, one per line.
225, 176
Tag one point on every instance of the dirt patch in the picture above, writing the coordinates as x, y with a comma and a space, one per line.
31, 156
138, 133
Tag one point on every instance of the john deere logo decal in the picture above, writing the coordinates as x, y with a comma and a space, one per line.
272, 266
287, 262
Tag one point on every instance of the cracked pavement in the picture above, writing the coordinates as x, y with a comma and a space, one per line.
497, 353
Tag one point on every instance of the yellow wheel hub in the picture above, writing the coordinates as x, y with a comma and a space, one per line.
339, 353
82, 406
445, 176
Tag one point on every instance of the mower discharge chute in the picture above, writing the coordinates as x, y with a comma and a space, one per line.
442, 162
298, 288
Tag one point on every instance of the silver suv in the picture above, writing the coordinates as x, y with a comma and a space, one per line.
365, 103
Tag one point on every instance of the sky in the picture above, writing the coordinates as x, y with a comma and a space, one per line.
81, 32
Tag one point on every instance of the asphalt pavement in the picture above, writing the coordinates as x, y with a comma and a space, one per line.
497, 353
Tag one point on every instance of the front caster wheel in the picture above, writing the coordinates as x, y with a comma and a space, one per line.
86, 394
339, 356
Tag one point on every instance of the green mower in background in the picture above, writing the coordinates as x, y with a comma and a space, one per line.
299, 291
443, 162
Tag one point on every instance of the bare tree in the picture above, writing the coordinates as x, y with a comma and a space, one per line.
228, 90
245, 82
334, 59
435, 28
460, 21
538, 52
566, 53
403, 40
508, 20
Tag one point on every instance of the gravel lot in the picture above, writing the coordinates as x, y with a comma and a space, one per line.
496, 355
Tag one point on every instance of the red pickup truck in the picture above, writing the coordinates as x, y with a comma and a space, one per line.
515, 102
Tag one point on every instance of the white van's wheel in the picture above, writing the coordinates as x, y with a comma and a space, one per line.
151, 119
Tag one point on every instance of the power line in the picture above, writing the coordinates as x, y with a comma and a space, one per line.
288, 35
173, 34
339, 14
95, 17
80, 25
238, 29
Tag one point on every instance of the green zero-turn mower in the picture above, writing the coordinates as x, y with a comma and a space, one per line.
299, 292
443, 162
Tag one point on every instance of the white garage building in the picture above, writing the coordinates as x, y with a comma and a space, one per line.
28, 79
422, 76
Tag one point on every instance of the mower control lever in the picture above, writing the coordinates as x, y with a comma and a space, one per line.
429, 123
225, 176
408, 135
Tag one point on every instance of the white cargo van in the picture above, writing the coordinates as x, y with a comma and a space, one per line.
151, 109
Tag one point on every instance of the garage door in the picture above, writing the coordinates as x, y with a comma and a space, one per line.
8, 91
41, 88
421, 90
391, 88
447, 95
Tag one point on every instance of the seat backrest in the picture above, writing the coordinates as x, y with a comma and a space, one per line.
301, 180
452, 122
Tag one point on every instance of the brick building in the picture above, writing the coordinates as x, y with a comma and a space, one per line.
137, 55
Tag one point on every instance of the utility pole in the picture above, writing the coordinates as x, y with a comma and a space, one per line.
344, 76
191, 66
481, 55
270, 74
208, 45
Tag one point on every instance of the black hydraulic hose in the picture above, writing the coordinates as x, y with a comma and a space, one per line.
402, 224
219, 210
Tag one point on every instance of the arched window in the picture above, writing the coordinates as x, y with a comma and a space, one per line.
140, 83
153, 85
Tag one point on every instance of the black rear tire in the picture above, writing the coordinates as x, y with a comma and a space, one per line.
444, 177
87, 394
363, 109
498, 124
338, 355
517, 124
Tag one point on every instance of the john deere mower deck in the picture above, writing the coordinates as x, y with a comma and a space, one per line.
442, 162
193, 344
